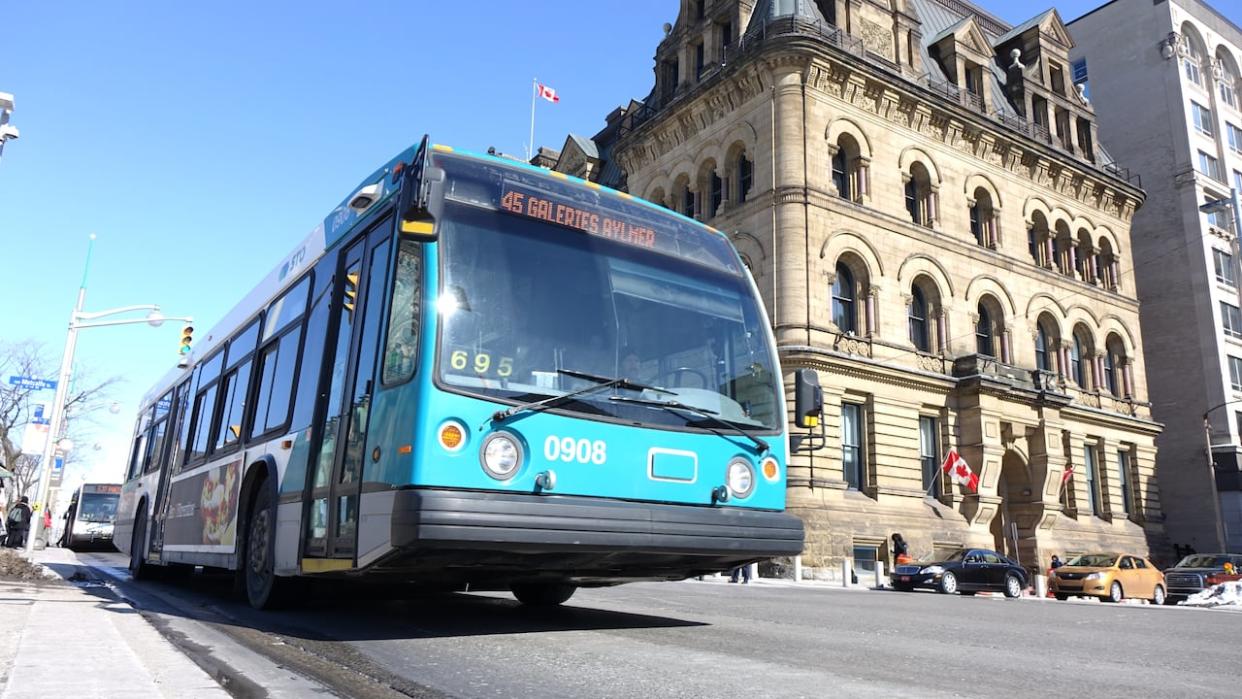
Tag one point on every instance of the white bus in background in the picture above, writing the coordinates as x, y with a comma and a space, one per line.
91, 516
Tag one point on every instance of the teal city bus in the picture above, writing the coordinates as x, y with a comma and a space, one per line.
477, 374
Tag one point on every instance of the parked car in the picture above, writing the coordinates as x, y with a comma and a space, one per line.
1199, 571
1110, 576
965, 571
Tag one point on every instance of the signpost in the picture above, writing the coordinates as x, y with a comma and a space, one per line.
32, 383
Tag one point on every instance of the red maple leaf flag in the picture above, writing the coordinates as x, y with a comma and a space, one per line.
957, 469
1069, 471
547, 93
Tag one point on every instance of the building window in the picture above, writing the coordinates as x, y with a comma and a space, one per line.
1237, 180
929, 451
1078, 72
841, 174
1209, 166
1235, 373
1093, 483
1042, 360
745, 174
1231, 319
919, 199
918, 320
1235, 137
1226, 273
1190, 66
1217, 217
851, 444
1077, 370
1123, 478
1057, 77
1110, 373
976, 227
686, 203
1227, 94
700, 61
716, 187
844, 301
726, 37
985, 340
1202, 117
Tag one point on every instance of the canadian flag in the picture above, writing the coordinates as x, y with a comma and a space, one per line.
547, 93
957, 469
1069, 472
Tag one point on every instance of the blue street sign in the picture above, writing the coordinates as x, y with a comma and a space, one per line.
58, 464
32, 383
39, 418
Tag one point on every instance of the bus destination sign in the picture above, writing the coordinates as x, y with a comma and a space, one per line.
553, 209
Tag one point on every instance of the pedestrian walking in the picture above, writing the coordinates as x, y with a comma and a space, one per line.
901, 550
1056, 562
18, 523
740, 574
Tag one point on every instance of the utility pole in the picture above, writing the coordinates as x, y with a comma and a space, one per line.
77, 320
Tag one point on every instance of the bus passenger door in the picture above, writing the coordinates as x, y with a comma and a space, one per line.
358, 302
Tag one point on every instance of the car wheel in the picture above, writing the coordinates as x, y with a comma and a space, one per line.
1062, 598
1013, 587
948, 583
1115, 593
1157, 597
542, 594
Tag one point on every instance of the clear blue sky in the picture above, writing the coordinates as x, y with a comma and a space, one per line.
200, 141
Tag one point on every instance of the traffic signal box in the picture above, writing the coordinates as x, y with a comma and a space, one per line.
187, 340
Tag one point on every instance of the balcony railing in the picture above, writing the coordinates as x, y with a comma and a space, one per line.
753, 40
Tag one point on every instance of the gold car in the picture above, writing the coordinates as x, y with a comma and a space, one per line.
1110, 576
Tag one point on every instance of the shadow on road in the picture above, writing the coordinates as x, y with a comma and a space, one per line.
345, 611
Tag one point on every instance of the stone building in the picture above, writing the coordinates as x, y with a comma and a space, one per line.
1165, 83
920, 195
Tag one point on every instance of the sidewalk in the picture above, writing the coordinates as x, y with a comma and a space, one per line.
67, 640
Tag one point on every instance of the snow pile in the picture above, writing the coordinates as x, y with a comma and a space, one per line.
1226, 594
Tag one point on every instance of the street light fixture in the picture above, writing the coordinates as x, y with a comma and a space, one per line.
8, 132
78, 320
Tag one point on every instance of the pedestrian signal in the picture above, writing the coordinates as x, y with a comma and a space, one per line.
187, 339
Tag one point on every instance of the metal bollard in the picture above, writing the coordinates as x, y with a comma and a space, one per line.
797, 568
846, 565
1041, 586
879, 574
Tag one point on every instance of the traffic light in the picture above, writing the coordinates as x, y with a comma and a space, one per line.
808, 398
187, 340
351, 291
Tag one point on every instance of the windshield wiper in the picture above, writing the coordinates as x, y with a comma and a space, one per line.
711, 415
602, 383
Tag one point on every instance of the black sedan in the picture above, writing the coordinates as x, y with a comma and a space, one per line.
966, 571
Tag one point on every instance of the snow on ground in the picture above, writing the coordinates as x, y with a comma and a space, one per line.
1226, 594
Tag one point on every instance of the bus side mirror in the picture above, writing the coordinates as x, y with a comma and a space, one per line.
808, 398
417, 204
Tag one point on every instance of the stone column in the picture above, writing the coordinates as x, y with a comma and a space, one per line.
1073, 259
1128, 377
789, 187
1050, 250
872, 293
833, 149
933, 206
1116, 272
1099, 381
996, 227
942, 331
864, 179
1006, 357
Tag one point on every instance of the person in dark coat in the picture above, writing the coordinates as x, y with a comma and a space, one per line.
901, 550
1056, 562
18, 523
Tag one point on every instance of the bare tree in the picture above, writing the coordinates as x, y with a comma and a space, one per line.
17, 406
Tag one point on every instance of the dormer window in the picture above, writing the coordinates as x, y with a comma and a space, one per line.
974, 80
1056, 78
726, 37
697, 8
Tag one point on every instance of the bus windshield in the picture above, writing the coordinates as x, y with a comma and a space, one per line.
98, 507
523, 299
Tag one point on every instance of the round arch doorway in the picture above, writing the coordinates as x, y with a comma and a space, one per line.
1013, 526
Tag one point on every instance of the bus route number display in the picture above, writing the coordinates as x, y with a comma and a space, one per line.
551, 209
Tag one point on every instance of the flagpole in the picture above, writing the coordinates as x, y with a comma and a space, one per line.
530, 145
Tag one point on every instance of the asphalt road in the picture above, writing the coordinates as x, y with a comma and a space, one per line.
706, 639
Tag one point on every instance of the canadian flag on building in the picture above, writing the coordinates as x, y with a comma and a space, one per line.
1069, 472
547, 93
957, 469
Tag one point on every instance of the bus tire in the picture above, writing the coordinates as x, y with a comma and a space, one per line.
542, 594
139, 569
264, 589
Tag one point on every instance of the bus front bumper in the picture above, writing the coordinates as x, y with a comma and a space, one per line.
594, 537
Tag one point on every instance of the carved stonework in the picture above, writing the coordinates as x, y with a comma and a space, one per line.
877, 38
851, 344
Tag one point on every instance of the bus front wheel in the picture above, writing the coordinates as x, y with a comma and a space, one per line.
542, 594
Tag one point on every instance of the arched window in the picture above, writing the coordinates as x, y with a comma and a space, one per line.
919, 334
683, 198
985, 338
844, 301
1114, 371
745, 175
841, 175
1228, 83
1078, 372
1038, 241
1110, 374
919, 200
982, 215
1192, 58
1043, 361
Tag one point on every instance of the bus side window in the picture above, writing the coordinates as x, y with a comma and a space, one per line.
401, 346
277, 360
155, 444
177, 424
236, 387
140, 445
204, 408
312, 350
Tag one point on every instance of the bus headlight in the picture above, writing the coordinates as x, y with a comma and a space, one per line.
501, 455
740, 478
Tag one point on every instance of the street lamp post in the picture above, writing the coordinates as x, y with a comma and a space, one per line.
77, 321
8, 132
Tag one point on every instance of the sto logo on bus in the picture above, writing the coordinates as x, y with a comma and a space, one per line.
570, 450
